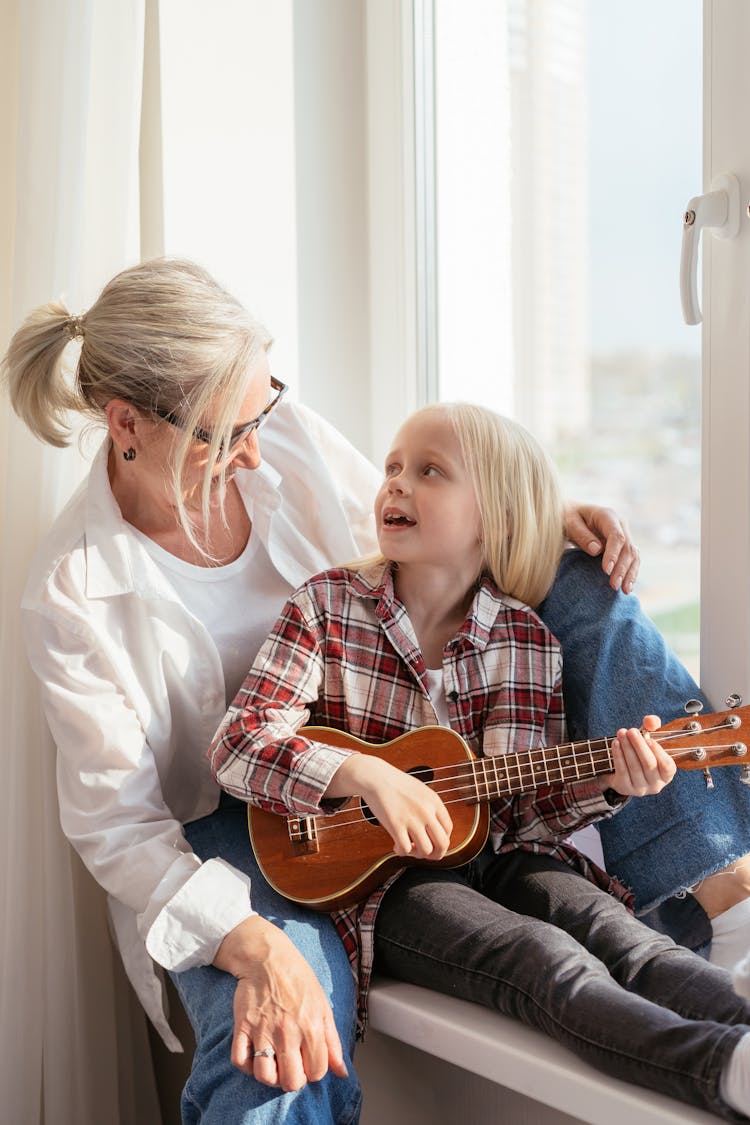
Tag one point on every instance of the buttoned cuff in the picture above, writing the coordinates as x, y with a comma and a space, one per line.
312, 774
189, 929
591, 802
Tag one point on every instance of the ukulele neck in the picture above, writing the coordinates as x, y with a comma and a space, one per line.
503, 774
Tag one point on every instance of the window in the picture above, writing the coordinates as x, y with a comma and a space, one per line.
563, 163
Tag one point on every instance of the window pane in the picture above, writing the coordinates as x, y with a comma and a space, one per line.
588, 117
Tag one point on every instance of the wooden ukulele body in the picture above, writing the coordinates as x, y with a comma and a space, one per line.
326, 862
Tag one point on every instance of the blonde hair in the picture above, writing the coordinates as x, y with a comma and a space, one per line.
518, 496
163, 336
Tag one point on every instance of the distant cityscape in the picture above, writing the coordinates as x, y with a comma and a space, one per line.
624, 426
568, 145
641, 456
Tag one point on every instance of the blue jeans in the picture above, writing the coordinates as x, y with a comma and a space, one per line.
616, 669
216, 1092
531, 938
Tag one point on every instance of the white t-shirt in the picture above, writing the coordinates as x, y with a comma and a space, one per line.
218, 597
436, 688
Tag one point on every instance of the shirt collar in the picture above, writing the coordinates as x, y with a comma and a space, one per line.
108, 542
487, 605
376, 582
113, 567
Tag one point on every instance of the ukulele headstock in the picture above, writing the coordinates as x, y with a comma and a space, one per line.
696, 742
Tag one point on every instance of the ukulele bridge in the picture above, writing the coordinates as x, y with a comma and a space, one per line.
303, 834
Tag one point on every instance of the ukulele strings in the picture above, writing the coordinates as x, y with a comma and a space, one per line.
466, 777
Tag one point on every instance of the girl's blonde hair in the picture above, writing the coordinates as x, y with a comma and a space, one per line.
519, 500
518, 495
164, 336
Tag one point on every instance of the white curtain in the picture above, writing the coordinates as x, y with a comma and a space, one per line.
74, 1048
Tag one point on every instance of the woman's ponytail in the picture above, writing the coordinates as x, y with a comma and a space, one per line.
34, 370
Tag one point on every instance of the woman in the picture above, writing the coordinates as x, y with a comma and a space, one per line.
132, 623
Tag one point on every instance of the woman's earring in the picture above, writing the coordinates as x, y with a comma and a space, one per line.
129, 454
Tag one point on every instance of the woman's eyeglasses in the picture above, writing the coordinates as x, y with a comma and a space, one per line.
241, 433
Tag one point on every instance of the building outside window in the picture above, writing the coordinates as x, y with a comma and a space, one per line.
563, 161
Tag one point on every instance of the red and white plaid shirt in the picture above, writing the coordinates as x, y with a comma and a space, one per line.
344, 654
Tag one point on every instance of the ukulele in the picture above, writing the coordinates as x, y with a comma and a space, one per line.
332, 862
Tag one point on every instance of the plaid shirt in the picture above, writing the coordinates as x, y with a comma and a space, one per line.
344, 654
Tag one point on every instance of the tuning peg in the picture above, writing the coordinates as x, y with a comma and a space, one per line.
733, 700
693, 707
745, 775
709, 779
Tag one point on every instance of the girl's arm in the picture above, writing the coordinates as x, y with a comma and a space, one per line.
256, 754
553, 811
413, 814
642, 767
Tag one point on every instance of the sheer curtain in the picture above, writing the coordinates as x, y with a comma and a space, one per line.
74, 1044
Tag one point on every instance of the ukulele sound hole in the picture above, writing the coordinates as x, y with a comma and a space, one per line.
424, 773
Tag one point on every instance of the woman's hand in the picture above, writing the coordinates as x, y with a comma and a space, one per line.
278, 1005
600, 531
642, 765
412, 813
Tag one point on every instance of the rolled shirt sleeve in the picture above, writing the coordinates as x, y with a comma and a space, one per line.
257, 753
188, 930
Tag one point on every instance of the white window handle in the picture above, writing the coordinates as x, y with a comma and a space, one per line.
719, 211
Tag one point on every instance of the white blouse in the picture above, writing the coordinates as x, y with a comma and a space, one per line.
133, 687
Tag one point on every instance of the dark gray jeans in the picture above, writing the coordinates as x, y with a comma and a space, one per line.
532, 938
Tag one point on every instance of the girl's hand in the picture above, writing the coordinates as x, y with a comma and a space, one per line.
413, 815
600, 531
278, 1005
642, 765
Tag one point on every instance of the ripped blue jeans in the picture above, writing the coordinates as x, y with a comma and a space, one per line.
616, 669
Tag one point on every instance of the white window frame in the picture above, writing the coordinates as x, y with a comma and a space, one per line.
725, 495
401, 211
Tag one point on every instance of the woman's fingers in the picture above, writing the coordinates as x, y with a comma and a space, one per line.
333, 1046
284, 1032
625, 562
265, 1067
430, 840
602, 531
241, 1053
287, 1048
314, 1052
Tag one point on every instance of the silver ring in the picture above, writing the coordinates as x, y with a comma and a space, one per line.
266, 1053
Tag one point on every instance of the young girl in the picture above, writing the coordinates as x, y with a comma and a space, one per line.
440, 629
